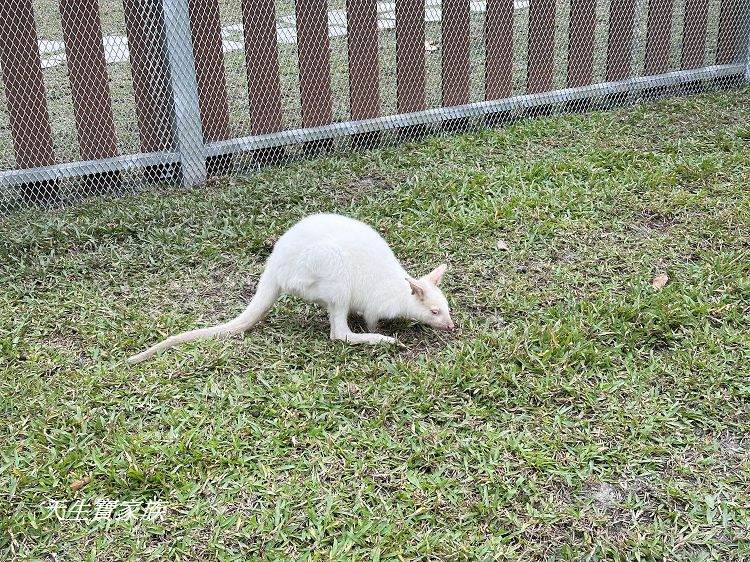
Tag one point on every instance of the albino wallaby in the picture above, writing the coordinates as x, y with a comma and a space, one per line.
345, 265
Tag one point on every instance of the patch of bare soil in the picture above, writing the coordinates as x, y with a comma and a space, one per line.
360, 188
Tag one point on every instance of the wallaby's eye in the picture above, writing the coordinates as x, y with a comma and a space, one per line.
435, 311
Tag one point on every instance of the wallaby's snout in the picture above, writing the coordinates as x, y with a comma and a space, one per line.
449, 326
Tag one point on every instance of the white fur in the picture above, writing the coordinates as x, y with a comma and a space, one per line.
344, 265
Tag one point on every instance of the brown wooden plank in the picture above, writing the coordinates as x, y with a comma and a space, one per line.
455, 42
731, 23
262, 63
658, 34
144, 25
620, 43
498, 47
694, 33
581, 43
205, 23
314, 62
87, 65
410, 56
541, 57
24, 85
362, 31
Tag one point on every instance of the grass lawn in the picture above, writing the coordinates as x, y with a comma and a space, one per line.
577, 411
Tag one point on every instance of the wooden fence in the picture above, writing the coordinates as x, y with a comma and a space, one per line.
164, 70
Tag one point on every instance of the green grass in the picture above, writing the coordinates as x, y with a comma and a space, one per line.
577, 412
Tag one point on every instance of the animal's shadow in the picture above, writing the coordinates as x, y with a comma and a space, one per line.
416, 339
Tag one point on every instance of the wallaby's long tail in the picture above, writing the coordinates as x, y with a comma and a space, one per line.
265, 295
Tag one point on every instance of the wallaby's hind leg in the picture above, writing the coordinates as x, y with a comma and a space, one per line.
340, 329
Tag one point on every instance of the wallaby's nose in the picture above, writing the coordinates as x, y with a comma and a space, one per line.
450, 326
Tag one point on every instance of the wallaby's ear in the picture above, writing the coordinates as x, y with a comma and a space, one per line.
416, 290
436, 274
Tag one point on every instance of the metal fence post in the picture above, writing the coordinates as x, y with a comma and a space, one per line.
186, 116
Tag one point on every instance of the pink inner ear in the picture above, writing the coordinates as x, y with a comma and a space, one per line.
436, 274
415, 288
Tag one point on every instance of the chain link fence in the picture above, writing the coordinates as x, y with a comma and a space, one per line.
125, 95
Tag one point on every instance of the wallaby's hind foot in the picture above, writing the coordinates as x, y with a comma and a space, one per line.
372, 339
337, 315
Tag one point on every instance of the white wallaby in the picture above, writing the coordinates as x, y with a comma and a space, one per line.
344, 265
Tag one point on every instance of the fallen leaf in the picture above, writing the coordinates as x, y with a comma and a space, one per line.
78, 484
660, 281
430, 46
503, 245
